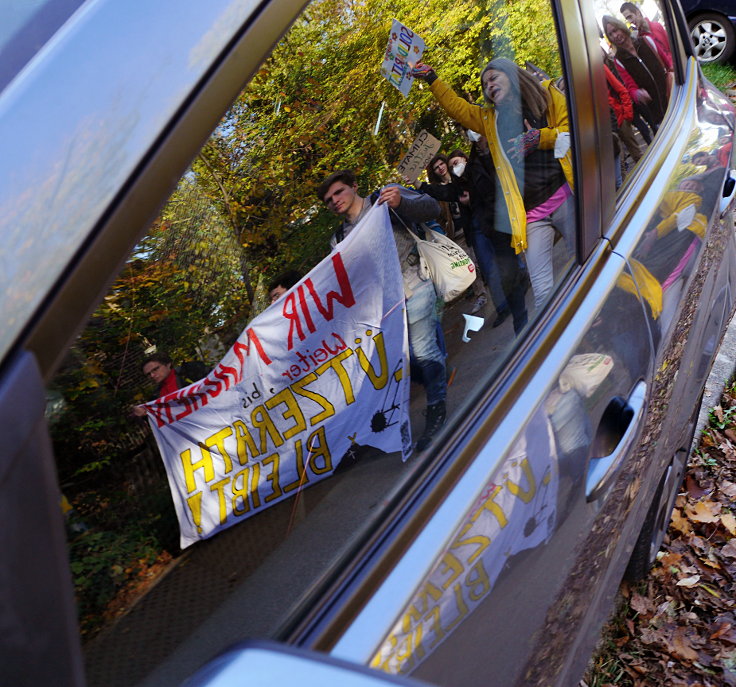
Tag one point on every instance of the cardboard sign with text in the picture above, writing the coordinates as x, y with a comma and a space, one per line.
423, 149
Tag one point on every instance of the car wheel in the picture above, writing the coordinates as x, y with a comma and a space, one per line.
658, 518
713, 37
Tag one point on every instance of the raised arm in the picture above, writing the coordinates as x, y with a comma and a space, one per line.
459, 109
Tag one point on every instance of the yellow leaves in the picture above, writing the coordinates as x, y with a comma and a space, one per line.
729, 522
704, 511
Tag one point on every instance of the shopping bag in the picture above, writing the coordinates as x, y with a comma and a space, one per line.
448, 265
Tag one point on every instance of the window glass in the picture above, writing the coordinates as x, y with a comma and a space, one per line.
637, 60
277, 337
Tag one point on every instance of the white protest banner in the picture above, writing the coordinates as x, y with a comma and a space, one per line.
423, 149
514, 512
403, 51
322, 369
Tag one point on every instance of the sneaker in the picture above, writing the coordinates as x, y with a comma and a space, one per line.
436, 415
479, 304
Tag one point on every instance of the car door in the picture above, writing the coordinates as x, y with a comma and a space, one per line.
472, 563
537, 531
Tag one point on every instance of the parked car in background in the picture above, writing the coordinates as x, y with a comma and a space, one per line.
158, 170
712, 28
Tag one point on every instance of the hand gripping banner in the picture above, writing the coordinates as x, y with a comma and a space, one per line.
323, 369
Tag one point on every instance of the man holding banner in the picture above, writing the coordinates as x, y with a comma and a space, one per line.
339, 192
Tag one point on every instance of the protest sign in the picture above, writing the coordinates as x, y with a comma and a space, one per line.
403, 51
423, 149
323, 369
514, 512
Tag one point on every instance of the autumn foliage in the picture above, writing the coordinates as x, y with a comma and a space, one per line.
678, 627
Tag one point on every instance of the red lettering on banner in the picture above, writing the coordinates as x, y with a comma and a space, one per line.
324, 305
239, 348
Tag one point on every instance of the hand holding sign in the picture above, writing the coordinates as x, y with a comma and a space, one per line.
403, 51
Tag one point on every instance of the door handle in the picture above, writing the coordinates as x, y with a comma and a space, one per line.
615, 434
729, 191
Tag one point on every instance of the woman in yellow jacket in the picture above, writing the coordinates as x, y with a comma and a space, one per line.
528, 136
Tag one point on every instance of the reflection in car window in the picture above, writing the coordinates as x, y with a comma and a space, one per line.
277, 338
25, 26
637, 61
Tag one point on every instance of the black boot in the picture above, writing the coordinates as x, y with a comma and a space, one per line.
436, 416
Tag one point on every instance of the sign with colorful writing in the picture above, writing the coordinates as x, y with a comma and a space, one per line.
403, 51
423, 149
320, 371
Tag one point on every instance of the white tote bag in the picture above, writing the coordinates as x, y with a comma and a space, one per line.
448, 265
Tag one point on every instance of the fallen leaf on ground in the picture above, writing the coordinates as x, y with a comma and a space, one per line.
689, 581
729, 522
729, 550
704, 511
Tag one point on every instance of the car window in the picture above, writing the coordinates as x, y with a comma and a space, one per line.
273, 370
637, 61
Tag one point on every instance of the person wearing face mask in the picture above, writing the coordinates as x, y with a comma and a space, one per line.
448, 186
442, 189
526, 125
469, 171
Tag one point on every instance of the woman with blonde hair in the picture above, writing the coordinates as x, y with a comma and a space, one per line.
526, 125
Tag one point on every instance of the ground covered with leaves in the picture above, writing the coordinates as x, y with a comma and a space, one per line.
678, 627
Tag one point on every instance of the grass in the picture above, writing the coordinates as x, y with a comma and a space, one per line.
721, 75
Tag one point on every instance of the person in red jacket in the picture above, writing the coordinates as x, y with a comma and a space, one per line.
622, 109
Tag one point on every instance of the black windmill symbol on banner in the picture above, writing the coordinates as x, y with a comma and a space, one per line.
386, 417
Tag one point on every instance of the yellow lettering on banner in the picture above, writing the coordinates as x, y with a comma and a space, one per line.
462, 607
301, 475
219, 487
245, 442
328, 410
317, 447
490, 505
428, 590
218, 440
292, 412
376, 662
264, 424
241, 492
378, 380
254, 482
516, 490
195, 506
450, 563
409, 619
412, 620
404, 654
480, 540
335, 363
273, 476
436, 626
477, 582
190, 467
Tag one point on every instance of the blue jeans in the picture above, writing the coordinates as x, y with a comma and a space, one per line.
485, 253
421, 315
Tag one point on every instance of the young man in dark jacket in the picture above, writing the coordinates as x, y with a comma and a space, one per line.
339, 192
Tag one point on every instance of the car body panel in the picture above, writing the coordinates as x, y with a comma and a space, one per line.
80, 192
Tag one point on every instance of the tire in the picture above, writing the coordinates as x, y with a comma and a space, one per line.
658, 519
713, 37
